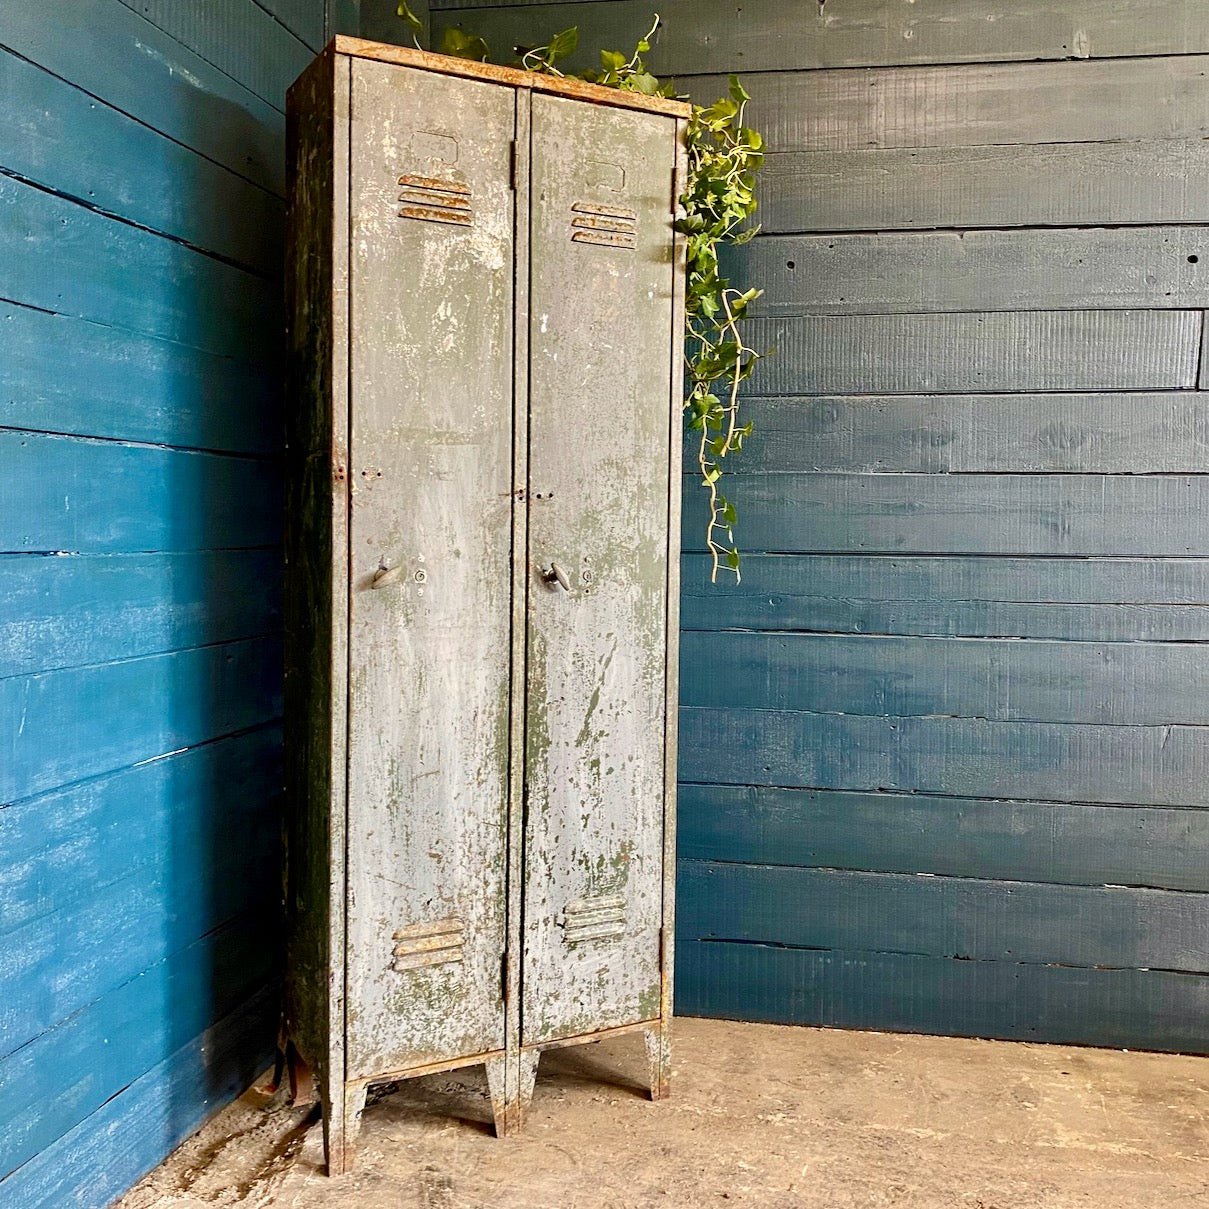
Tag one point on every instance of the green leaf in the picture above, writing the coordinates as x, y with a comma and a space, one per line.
732, 559
461, 45
612, 60
729, 515
737, 91
645, 83
405, 12
564, 44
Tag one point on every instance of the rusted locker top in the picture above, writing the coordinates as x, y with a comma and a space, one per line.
514, 77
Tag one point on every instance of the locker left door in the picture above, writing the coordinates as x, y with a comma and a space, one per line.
431, 386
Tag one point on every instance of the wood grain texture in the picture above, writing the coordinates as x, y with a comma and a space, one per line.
108, 50
104, 1048
1157, 516
1030, 270
70, 611
1106, 599
74, 495
69, 260
989, 350
1063, 184
59, 725
960, 757
511, 76
1135, 99
140, 388
61, 961
303, 18
767, 35
914, 994
1119, 684
99, 156
149, 820
171, 1100
1142, 432
1009, 840
240, 37
141, 255
966, 919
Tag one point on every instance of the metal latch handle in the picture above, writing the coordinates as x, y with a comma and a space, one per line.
385, 576
556, 575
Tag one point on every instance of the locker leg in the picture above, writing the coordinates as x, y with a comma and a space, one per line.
341, 1125
659, 1059
511, 1087
497, 1085
526, 1078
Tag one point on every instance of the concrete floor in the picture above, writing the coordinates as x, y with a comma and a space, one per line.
759, 1116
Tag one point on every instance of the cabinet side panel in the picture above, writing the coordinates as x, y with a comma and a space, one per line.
316, 573
675, 492
602, 301
432, 490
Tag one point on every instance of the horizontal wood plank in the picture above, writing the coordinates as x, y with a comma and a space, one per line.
64, 258
1121, 599
1157, 516
1150, 1009
123, 1139
239, 37
1140, 432
1053, 842
123, 59
1057, 185
69, 611
303, 18
963, 918
61, 727
1006, 680
101, 1050
93, 153
58, 963
139, 388
144, 821
986, 351
960, 757
1115, 268
977, 105
768, 35
72, 495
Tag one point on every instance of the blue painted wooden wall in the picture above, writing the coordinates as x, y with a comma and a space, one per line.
141, 182
944, 751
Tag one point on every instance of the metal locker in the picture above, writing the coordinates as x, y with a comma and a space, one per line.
486, 314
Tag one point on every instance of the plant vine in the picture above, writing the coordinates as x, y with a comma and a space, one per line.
718, 202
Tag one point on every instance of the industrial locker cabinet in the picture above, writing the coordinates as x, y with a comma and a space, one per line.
486, 333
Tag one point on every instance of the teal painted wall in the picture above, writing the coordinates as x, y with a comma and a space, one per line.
141, 183
943, 751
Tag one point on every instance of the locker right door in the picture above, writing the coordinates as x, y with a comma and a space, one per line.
600, 334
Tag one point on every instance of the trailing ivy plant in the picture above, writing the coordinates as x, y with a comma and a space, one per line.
719, 199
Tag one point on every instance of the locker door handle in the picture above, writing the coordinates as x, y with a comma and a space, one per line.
385, 576
556, 576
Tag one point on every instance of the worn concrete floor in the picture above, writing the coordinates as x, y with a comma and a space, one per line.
759, 1116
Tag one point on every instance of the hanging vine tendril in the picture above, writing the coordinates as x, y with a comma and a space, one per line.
719, 200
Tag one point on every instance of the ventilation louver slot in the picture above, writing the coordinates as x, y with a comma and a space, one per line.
429, 945
432, 200
609, 226
597, 918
